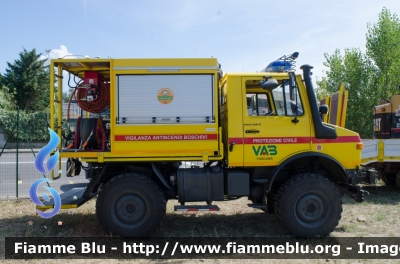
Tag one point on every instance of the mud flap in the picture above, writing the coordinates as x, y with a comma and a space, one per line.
353, 191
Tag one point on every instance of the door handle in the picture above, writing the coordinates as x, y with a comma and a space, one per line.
231, 146
252, 131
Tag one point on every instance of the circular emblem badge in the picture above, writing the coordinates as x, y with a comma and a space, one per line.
319, 147
165, 96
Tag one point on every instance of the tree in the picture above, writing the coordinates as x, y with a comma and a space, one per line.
6, 102
321, 90
383, 46
360, 74
370, 76
6, 99
66, 96
26, 82
331, 83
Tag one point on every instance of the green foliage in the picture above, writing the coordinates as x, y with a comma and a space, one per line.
6, 101
34, 125
321, 90
358, 71
26, 82
66, 96
383, 46
369, 76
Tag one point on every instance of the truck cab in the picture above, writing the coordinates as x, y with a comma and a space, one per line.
278, 123
259, 132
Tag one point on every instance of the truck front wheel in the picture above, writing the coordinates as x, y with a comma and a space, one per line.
131, 205
308, 205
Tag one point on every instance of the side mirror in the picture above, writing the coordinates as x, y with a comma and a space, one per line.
323, 109
269, 84
292, 86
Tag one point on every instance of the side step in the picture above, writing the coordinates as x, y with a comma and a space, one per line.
257, 206
70, 199
196, 208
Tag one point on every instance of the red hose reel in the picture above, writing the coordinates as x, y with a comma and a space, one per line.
92, 94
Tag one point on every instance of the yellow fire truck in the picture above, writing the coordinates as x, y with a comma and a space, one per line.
257, 135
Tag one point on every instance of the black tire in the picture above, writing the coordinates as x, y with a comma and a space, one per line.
388, 178
308, 205
131, 205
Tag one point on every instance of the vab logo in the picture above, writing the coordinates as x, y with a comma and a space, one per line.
165, 95
50, 164
269, 150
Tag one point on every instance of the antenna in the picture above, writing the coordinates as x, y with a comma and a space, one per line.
48, 57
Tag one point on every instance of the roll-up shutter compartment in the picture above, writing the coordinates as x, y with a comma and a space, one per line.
165, 99
166, 115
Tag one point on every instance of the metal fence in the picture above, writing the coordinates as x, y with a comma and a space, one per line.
17, 167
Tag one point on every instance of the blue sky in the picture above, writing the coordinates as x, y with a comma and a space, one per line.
243, 35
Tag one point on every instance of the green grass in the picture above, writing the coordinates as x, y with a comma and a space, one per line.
376, 217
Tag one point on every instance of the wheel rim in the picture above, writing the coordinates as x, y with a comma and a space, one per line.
130, 210
311, 209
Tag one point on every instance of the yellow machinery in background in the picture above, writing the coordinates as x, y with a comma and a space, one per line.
337, 104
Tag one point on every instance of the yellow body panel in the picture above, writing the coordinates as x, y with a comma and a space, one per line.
63, 206
150, 142
343, 149
278, 137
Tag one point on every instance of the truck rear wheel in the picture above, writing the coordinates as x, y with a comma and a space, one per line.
131, 205
308, 205
388, 178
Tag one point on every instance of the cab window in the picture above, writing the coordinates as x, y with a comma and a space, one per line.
258, 104
283, 105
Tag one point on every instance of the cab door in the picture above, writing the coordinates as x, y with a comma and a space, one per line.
274, 126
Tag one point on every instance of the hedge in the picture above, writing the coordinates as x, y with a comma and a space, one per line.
34, 125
